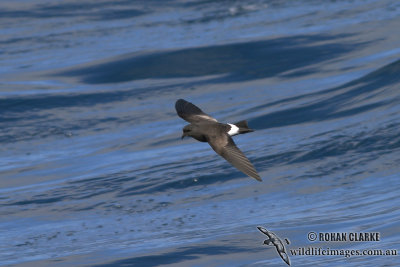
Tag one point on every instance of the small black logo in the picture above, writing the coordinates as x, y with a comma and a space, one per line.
274, 240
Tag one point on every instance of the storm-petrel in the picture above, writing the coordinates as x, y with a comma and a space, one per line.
205, 128
274, 240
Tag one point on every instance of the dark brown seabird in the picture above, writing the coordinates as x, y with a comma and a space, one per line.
205, 128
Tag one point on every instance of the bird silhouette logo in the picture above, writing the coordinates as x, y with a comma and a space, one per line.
274, 240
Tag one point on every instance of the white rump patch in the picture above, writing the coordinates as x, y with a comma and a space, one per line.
234, 130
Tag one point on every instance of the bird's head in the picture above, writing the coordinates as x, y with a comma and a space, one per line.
187, 130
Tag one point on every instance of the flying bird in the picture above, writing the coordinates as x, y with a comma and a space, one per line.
205, 128
274, 240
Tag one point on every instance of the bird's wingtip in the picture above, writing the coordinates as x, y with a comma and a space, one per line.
258, 178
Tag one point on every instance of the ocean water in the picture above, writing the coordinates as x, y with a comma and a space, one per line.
92, 168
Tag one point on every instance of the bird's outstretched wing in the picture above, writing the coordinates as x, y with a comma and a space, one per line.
225, 147
264, 231
189, 112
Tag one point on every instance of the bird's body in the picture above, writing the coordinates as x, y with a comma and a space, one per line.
205, 128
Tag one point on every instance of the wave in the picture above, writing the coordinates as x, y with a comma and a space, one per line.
238, 61
368, 93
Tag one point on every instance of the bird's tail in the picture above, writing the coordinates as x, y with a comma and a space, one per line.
243, 127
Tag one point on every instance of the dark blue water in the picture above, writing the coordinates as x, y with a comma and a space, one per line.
92, 168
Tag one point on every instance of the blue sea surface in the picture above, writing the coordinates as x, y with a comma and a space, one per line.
92, 168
